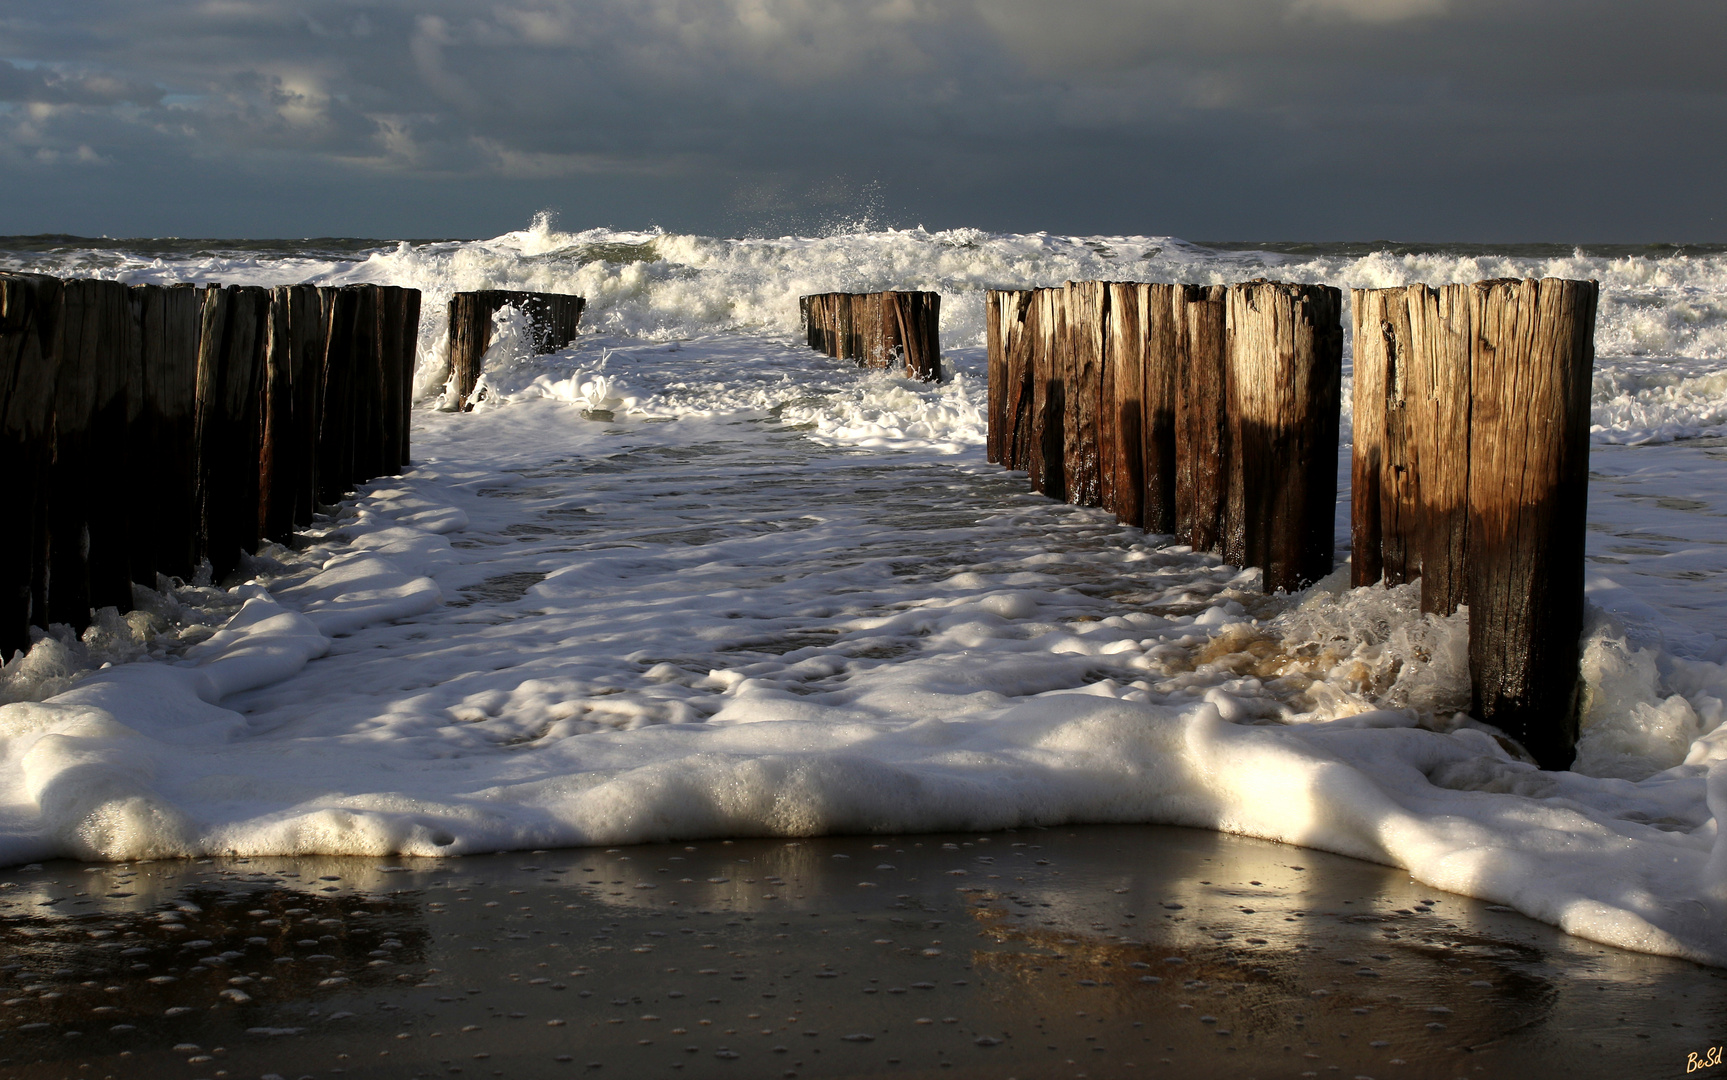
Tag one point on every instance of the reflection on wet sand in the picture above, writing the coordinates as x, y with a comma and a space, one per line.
1099, 951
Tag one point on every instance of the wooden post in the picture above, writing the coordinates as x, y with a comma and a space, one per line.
1160, 375
1532, 351
1201, 446
30, 311
1049, 396
1410, 468
1011, 355
401, 350
470, 333
336, 415
165, 512
276, 468
309, 323
1285, 360
1375, 351
1081, 360
879, 330
553, 318
89, 561
996, 435
910, 333
229, 422
1120, 418
1437, 431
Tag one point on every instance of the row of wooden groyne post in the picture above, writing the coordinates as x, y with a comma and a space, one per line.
145, 429
1211, 413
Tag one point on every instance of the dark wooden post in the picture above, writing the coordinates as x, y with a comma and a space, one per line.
1201, 446
165, 513
1160, 375
1410, 468
30, 311
1120, 415
276, 469
1437, 431
89, 561
1531, 356
410, 355
1285, 360
1012, 378
553, 318
229, 422
910, 333
1049, 396
309, 323
1085, 303
1374, 357
470, 333
996, 435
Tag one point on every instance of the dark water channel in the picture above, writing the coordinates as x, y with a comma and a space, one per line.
1101, 951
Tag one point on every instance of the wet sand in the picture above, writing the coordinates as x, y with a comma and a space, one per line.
1102, 951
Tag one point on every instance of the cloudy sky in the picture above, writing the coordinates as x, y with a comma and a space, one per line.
1467, 120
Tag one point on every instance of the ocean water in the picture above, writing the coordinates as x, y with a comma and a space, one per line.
687, 579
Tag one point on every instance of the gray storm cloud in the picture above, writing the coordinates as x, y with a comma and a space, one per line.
1108, 115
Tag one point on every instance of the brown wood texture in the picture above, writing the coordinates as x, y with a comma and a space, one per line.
309, 310
1532, 351
1018, 315
1049, 395
229, 422
1436, 435
30, 311
89, 561
995, 410
470, 333
1410, 468
1120, 417
888, 330
275, 454
1367, 442
553, 318
911, 332
1159, 377
407, 350
1086, 304
165, 509
1285, 359
1201, 448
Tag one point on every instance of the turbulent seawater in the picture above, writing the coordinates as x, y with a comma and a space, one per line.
687, 578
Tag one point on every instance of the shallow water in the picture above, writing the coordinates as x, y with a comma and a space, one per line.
1096, 951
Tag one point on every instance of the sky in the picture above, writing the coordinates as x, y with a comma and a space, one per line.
1571, 121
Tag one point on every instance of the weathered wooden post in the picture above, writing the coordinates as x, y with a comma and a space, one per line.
309, 324
1531, 355
1285, 362
229, 424
89, 565
1120, 416
1160, 364
879, 330
1198, 313
1049, 395
552, 316
1011, 376
165, 509
1081, 361
276, 467
470, 333
910, 333
1410, 468
409, 353
30, 309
